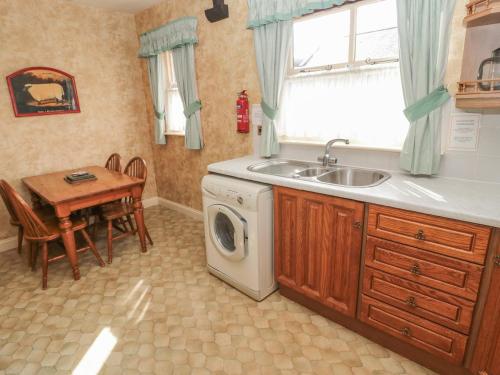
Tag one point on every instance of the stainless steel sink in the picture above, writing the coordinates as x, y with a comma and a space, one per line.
354, 177
315, 172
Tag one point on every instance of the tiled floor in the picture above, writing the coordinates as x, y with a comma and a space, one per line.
161, 312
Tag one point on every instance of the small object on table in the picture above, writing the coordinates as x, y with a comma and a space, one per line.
79, 176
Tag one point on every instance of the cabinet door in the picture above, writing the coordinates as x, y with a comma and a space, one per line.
341, 254
285, 236
310, 253
486, 360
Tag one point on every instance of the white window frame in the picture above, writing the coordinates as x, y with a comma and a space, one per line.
170, 86
351, 62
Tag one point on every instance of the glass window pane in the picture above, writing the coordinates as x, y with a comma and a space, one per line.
376, 31
176, 121
321, 40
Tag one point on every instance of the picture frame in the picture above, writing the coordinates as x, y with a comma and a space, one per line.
40, 91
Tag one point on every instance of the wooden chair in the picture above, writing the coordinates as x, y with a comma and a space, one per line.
14, 221
123, 210
41, 232
114, 163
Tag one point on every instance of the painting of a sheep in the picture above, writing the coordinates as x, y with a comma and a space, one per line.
42, 91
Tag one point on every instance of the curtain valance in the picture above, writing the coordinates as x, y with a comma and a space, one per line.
263, 12
169, 36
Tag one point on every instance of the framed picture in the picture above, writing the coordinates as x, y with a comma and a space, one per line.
39, 91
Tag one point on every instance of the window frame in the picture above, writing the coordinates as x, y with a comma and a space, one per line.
351, 59
170, 86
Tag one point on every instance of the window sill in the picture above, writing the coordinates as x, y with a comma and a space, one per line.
175, 134
340, 145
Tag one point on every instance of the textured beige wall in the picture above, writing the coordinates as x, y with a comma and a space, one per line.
99, 48
225, 65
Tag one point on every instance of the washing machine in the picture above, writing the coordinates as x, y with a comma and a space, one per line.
238, 216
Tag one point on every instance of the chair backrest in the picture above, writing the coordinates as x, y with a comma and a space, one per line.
10, 208
114, 163
34, 228
136, 167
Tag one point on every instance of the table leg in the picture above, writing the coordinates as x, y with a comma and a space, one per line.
68, 237
139, 220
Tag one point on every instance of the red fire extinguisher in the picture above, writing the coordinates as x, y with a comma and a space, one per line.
242, 113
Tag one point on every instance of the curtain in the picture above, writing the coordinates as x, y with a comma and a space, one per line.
178, 36
186, 81
156, 84
329, 105
424, 28
263, 12
272, 47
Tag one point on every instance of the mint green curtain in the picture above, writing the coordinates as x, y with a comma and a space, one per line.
263, 12
184, 67
272, 46
157, 86
424, 33
178, 36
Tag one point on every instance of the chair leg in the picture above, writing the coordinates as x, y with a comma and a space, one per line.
110, 241
92, 247
34, 255
149, 237
45, 264
131, 223
20, 236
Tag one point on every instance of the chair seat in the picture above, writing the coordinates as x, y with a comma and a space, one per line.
52, 225
116, 210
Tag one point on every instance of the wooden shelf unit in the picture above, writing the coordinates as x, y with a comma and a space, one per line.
471, 95
482, 12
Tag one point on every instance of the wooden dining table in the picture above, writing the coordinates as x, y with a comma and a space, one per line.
67, 198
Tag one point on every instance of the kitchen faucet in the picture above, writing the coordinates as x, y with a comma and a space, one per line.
326, 158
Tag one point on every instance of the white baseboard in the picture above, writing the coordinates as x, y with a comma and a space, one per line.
8, 244
150, 202
188, 211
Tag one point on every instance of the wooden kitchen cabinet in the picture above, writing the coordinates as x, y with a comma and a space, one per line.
486, 359
318, 246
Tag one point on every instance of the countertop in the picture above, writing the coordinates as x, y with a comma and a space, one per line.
472, 201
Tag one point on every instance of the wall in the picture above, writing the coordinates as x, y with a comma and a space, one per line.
225, 65
99, 48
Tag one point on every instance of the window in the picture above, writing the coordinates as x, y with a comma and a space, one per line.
344, 79
175, 121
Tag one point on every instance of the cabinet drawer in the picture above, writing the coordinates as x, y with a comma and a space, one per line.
446, 274
443, 236
431, 304
433, 338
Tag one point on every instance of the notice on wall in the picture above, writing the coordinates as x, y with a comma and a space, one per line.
256, 115
464, 132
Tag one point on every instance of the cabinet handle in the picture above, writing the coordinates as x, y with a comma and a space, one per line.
496, 261
410, 301
406, 332
357, 225
420, 235
415, 269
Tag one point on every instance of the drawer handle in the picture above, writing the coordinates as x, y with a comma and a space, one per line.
406, 332
410, 301
497, 260
415, 269
420, 235
357, 225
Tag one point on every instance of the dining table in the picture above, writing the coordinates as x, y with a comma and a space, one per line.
66, 198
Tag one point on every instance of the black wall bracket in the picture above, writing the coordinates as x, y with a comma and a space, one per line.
218, 12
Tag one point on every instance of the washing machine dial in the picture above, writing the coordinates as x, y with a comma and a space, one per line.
240, 199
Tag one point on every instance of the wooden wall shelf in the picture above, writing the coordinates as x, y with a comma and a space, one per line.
482, 12
471, 95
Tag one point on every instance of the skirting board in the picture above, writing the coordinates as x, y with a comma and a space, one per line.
11, 242
188, 211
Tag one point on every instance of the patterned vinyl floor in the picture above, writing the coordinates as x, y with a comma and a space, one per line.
162, 313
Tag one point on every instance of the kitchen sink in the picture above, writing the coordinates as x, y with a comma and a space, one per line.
316, 172
354, 177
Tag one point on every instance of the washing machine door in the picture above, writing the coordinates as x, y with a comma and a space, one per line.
228, 231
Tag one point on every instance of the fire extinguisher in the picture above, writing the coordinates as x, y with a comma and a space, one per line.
242, 113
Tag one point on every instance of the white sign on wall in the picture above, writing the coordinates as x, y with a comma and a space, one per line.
464, 132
